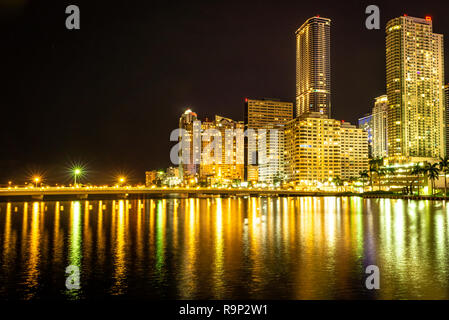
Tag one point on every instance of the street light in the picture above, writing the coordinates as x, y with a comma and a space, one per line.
36, 180
121, 179
76, 172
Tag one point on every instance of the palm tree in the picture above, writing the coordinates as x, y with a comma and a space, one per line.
416, 171
338, 182
363, 176
444, 166
432, 172
374, 167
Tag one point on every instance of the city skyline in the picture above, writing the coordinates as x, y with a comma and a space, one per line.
223, 154
156, 160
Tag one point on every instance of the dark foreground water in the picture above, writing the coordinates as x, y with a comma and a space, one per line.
257, 248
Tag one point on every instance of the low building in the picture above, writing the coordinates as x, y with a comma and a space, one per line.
319, 149
227, 167
353, 150
150, 178
312, 149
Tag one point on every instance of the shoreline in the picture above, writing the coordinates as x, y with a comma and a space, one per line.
54, 194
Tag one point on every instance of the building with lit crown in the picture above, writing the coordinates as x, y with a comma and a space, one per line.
415, 80
446, 120
313, 72
190, 123
380, 127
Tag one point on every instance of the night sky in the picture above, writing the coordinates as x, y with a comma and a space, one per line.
109, 95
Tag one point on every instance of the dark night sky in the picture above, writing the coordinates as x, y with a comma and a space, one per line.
109, 94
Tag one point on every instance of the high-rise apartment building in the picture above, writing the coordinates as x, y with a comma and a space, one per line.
446, 119
230, 164
313, 72
319, 149
189, 122
270, 115
380, 127
415, 80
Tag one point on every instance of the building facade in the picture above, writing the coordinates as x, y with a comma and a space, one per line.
353, 150
150, 178
446, 119
415, 80
366, 123
265, 117
313, 149
230, 164
319, 149
313, 73
380, 127
189, 122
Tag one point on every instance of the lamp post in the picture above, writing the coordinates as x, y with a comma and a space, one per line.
76, 173
36, 180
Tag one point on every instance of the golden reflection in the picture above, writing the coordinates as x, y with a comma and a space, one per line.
119, 276
58, 236
160, 236
32, 269
100, 241
187, 284
75, 242
9, 242
217, 248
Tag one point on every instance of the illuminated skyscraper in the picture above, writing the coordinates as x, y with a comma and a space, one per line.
313, 72
189, 122
446, 120
415, 80
379, 123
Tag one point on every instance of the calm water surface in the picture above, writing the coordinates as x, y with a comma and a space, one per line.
257, 248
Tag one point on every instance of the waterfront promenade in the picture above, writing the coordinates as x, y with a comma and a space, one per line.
48, 193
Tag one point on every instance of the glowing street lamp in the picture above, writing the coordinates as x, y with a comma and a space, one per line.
76, 172
36, 180
121, 179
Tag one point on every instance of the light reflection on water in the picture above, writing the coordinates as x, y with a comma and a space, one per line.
272, 248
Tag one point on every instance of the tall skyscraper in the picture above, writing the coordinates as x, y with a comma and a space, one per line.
446, 119
313, 71
189, 122
266, 114
379, 123
415, 80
